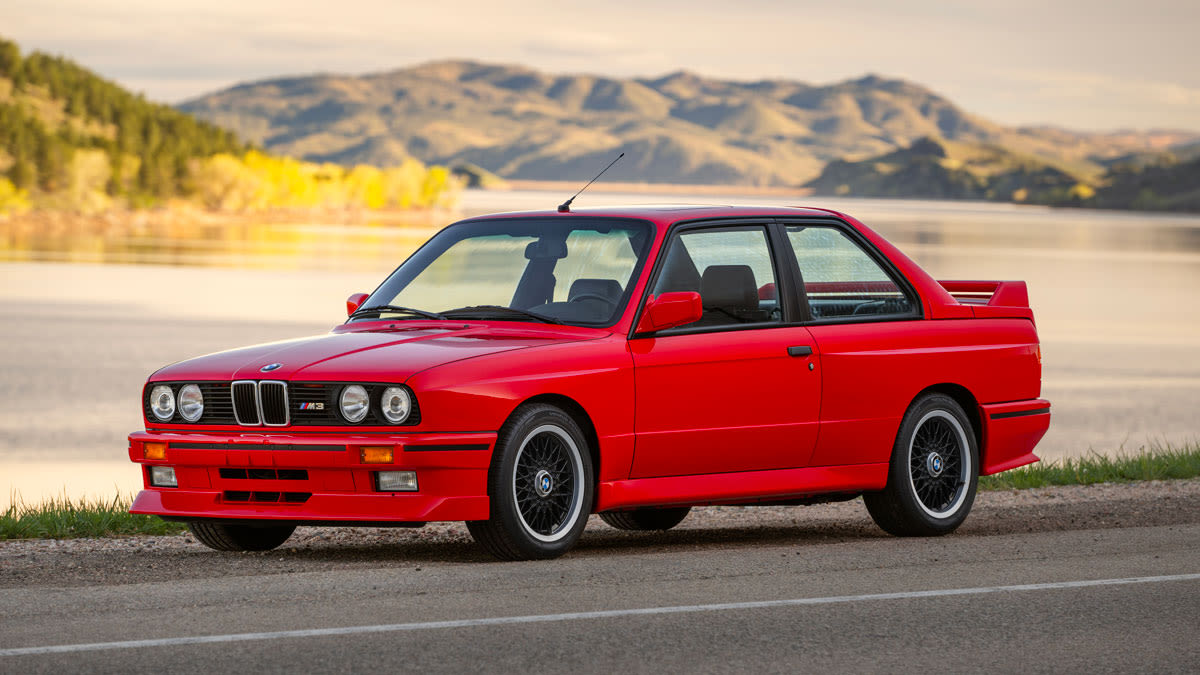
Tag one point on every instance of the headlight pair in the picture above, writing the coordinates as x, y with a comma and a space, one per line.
395, 404
190, 401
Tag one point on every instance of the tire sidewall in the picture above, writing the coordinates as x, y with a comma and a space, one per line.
504, 511
899, 471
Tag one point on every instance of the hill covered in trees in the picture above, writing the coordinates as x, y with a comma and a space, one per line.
72, 140
937, 169
679, 128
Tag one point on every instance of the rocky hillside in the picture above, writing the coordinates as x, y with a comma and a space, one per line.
680, 128
935, 169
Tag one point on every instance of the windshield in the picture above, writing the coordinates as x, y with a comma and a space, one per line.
569, 269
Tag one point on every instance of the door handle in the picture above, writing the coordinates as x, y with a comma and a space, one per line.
801, 350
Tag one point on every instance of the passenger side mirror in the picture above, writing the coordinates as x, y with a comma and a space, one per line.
670, 310
354, 302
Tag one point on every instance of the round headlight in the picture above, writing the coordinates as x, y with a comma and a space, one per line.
396, 404
162, 402
191, 402
354, 403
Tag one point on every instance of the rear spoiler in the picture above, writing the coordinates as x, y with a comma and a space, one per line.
991, 298
991, 293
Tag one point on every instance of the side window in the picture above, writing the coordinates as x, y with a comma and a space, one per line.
730, 268
840, 279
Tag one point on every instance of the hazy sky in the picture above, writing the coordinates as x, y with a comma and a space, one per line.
1088, 64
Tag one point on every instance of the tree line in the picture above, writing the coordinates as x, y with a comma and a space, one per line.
71, 139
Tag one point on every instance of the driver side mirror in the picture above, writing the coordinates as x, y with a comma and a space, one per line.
354, 302
670, 310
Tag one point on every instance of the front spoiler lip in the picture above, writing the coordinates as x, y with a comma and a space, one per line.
330, 509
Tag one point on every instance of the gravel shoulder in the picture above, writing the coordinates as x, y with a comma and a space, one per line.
122, 560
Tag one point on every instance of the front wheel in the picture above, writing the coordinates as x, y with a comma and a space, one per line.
540, 485
229, 537
933, 472
646, 519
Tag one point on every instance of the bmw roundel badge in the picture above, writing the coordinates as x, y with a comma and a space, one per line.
270, 366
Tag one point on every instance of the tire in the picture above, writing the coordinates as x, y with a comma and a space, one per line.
540, 485
227, 537
646, 519
933, 473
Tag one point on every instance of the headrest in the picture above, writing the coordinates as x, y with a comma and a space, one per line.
730, 287
546, 249
605, 288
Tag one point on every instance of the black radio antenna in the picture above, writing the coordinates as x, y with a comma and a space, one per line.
565, 207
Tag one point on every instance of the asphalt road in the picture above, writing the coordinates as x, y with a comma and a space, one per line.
1076, 580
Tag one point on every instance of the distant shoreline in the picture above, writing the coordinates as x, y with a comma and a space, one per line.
569, 187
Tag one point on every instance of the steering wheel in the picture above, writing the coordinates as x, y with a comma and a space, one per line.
870, 307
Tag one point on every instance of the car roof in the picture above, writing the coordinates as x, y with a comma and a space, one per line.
667, 214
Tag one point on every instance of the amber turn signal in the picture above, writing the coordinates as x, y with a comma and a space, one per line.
156, 451
377, 455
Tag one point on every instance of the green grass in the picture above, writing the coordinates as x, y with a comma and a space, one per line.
65, 518
1160, 462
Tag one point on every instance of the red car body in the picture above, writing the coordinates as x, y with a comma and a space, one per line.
789, 412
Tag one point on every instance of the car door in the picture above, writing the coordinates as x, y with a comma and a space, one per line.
737, 390
866, 319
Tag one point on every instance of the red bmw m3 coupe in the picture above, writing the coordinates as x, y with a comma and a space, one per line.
522, 371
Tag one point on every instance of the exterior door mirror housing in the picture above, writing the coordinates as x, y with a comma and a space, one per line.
670, 310
354, 302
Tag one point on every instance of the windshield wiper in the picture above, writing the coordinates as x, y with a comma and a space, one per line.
376, 309
492, 309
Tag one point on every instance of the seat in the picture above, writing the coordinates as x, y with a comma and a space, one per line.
730, 295
606, 289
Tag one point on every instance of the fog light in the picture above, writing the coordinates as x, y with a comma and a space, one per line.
163, 476
396, 481
156, 451
381, 455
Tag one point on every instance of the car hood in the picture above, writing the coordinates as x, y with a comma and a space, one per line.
371, 353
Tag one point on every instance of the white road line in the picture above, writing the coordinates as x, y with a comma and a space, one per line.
576, 616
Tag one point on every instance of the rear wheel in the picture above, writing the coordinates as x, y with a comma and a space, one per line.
646, 519
228, 537
540, 485
933, 472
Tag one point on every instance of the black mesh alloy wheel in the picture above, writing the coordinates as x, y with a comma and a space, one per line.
540, 484
933, 474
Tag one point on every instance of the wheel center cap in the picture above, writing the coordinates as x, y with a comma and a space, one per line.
543, 483
935, 464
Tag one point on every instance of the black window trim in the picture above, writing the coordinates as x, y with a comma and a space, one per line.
789, 284
889, 268
626, 297
783, 281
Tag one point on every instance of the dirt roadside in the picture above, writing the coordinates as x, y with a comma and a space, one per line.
125, 560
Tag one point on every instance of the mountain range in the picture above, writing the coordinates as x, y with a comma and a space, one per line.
679, 128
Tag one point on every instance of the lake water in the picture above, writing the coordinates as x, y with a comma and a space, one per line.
86, 318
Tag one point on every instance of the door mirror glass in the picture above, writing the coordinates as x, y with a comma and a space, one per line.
670, 310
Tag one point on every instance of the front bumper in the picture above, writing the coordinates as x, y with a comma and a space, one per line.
309, 478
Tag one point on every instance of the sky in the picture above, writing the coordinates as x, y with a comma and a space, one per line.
1080, 64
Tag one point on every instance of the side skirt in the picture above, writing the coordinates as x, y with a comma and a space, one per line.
742, 487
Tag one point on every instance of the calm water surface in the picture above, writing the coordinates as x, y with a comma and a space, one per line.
86, 318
